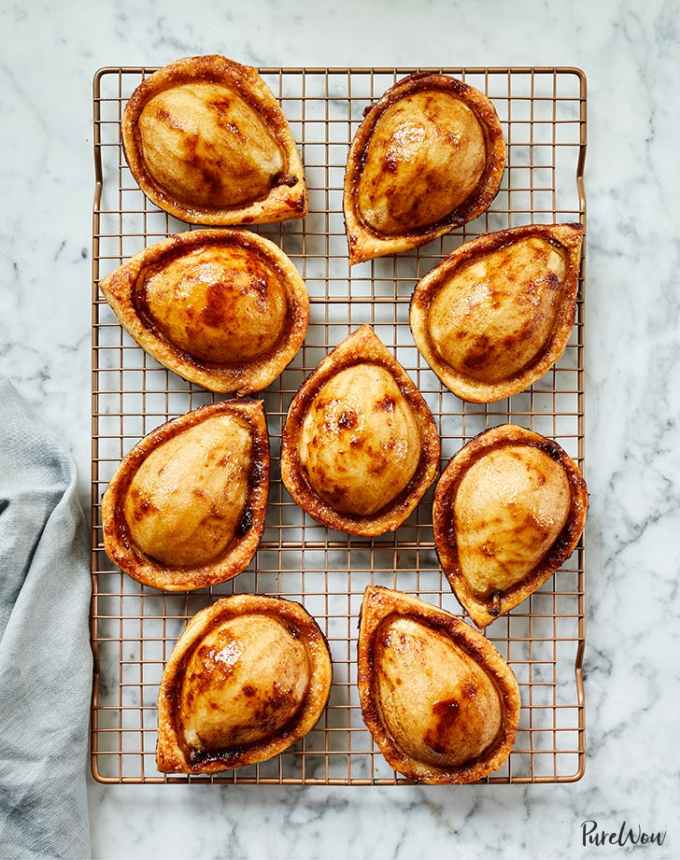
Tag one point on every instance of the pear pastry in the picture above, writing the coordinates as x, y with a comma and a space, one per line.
497, 313
207, 142
508, 511
360, 446
440, 701
223, 308
427, 157
186, 507
249, 677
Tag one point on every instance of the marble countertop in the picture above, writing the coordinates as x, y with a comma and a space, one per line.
630, 53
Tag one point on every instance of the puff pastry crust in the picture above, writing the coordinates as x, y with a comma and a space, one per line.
223, 308
497, 314
508, 511
249, 676
360, 445
440, 701
427, 157
207, 142
186, 507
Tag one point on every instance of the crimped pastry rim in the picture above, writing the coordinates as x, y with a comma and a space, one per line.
170, 754
364, 242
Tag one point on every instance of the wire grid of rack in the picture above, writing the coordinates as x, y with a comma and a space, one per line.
134, 628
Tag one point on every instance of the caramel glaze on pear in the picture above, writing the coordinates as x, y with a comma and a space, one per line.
494, 316
226, 309
360, 443
417, 171
428, 156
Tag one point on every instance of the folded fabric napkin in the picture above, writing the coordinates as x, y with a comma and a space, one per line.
45, 657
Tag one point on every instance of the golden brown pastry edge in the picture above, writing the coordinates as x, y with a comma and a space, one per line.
364, 243
170, 755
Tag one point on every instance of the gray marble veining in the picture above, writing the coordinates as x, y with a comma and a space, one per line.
631, 54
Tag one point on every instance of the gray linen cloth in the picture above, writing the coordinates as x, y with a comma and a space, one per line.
45, 657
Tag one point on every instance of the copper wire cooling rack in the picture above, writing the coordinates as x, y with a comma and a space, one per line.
134, 628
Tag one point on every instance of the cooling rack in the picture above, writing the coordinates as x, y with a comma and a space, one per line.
134, 628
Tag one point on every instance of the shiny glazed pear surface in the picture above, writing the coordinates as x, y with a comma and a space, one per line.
243, 683
495, 315
208, 146
185, 501
425, 157
439, 706
221, 304
360, 443
510, 507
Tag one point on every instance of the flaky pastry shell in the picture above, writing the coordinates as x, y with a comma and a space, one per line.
186, 507
360, 446
439, 700
508, 511
223, 308
248, 678
428, 157
207, 142
494, 316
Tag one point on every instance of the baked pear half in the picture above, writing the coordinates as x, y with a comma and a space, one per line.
223, 308
360, 446
508, 511
186, 507
440, 701
207, 142
497, 314
249, 676
428, 157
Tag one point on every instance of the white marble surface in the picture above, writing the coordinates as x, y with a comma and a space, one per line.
631, 52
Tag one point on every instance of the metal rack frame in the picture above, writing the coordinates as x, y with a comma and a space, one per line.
133, 627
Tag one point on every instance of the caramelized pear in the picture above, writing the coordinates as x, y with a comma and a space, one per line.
359, 426
360, 446
497, 313
209, 146
243, 683
447, 694
428, 156
425, 157
186, 499
510, 508
224, 308
439, 700
508, 511
207, 142
186, 507
249, 676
